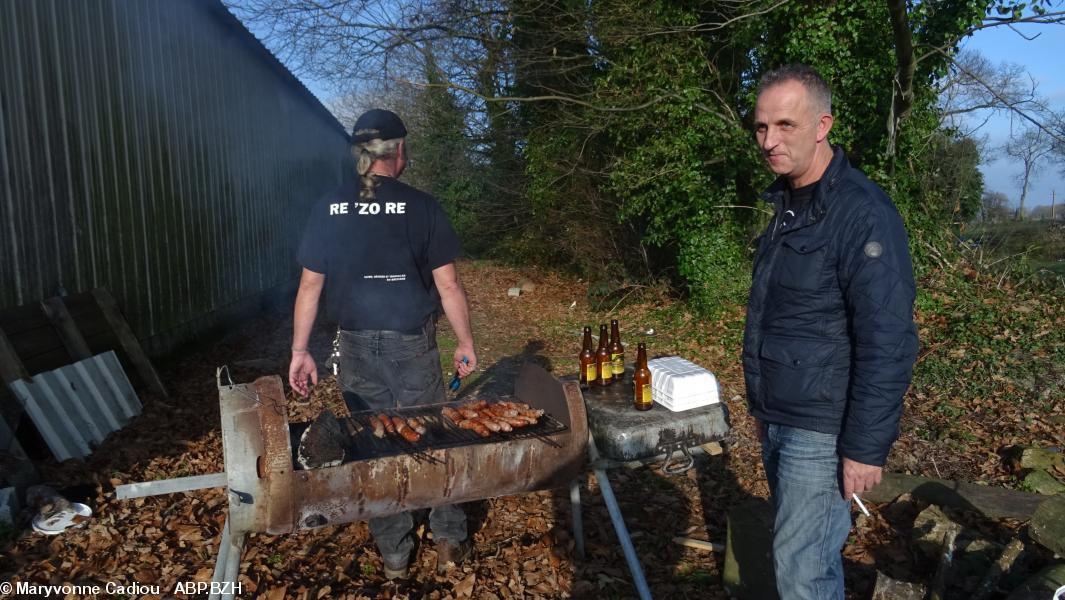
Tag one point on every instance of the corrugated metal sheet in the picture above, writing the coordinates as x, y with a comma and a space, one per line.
77, 406
154, 148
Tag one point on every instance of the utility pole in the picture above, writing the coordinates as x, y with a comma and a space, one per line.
1053, 214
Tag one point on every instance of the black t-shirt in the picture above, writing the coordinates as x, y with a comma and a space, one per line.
795, 199
378, 257
798, 197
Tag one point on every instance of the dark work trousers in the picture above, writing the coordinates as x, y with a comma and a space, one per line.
390, 369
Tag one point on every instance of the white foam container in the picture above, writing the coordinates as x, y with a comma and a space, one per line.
679, 384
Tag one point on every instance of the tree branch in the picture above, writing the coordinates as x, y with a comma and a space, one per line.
1004, 101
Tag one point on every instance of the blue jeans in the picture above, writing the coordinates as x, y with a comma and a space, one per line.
386, 370
812, 518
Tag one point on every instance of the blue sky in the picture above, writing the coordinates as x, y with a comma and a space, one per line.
1043, 58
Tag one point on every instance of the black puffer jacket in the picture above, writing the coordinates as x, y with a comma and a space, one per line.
830, 340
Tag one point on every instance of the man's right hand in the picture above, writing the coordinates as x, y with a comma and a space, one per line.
759, 428
301, 368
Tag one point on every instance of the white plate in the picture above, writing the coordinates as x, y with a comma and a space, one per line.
58, 522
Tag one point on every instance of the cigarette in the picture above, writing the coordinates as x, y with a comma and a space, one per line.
858, 501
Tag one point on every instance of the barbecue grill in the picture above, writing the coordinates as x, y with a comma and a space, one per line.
379, 477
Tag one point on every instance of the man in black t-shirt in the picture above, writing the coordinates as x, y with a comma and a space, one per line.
384, 252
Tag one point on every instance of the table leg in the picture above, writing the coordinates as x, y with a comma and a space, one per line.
619, 523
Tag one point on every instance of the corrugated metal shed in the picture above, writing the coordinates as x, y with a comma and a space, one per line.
156, 149
77, 406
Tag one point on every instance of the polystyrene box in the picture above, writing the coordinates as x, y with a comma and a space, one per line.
680, 384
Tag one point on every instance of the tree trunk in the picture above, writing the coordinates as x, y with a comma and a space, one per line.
1024, 190
906, 65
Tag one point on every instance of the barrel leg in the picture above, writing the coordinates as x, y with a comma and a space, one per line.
227, 564
578, 519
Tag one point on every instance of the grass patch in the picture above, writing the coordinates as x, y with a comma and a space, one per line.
1041, 244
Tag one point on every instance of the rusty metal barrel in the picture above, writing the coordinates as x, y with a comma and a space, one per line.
268, 495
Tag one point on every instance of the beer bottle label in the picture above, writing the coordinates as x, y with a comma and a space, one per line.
645, 393
619, 363
606, 370
589, 371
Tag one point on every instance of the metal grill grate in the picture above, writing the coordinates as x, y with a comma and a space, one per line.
361, 444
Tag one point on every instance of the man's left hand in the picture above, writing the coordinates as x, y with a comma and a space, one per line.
465, 360
859, 477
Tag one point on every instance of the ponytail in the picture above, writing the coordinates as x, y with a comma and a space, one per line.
365, 154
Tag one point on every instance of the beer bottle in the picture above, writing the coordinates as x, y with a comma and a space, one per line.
641, 380
602, 359
617, 351
588, 370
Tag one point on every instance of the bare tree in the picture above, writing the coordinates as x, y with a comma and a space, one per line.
974, 84
994, 207
1032, 147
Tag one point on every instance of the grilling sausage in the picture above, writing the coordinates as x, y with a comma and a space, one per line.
417, 425
378, 427
488, 422
495, 423
403, 429
476, 426
497, 411
484, 418
524, 409
518, 421
387, 422
451, 414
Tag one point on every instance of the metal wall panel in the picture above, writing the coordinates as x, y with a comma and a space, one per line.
155, 148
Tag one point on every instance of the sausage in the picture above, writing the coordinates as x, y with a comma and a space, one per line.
469, 414
403, 429
488, 422
417, 425
478, 404
498, 411
517, 421
532, 413
378, 427
451, 414
474, 426
387, 422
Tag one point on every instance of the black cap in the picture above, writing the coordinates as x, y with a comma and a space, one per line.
377, 123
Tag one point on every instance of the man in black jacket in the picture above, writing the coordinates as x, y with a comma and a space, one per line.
830, 341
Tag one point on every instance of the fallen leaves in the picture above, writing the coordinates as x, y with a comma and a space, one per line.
464, 588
